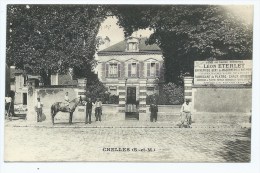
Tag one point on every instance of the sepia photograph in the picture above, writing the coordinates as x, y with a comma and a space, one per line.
128, 83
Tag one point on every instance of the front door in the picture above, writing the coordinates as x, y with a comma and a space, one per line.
131, 108
131, 95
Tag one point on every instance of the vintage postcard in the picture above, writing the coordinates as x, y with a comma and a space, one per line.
128, 83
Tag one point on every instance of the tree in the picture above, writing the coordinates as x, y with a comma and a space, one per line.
46, 39
186, 33
51, 38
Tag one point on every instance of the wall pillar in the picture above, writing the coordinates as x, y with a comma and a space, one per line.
143, 112
188, 83
31, 103
82, 86
122, 100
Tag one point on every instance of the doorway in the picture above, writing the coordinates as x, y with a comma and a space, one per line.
24, 98
131, 105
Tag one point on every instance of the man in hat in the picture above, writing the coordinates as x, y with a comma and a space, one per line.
98, 107
186, 114
154, 111
9, 106
89, 105
39, 110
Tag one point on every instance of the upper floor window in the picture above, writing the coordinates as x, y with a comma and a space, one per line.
153, 69
113, 70
132, 46
133, 69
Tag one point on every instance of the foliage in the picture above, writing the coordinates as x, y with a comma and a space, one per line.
51, 38
169, 94
186, 33
113, 99
44, 39
95, 89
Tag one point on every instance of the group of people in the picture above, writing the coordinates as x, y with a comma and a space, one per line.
90, 105
97, 107
185, 112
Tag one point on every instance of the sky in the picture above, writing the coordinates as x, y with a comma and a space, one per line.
115, 33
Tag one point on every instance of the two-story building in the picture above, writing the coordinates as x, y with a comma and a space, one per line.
131, 69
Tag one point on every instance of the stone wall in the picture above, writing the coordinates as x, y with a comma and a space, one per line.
48, 97
217, 99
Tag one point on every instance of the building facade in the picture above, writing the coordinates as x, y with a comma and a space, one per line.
132, 70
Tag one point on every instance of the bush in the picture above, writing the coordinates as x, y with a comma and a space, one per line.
113, 99
169, 94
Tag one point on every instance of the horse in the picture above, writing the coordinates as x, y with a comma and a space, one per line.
62, 107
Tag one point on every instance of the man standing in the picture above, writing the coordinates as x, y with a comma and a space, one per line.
8, 106
98, 107
186, 114
39, 110
89, 105
154, 111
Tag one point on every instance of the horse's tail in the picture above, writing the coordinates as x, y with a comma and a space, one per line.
52, 110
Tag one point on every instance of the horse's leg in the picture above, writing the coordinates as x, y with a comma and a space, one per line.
70, 119
52, 119
53, 112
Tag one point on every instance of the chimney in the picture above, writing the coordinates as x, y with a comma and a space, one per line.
107, 42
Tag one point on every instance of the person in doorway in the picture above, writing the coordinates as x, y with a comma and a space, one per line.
98, 106
154, 111
39, 110
89, 105
185, 114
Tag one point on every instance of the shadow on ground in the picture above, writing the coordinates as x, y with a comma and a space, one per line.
238, 150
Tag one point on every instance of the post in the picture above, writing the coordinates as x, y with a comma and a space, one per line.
143, 112
80, 110
31, 102
188, 83
122, 99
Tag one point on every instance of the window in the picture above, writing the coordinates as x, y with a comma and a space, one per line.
132, 46
152, 72
153, 69
113, 70
113, 90
133, 70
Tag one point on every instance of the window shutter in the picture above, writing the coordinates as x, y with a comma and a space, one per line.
119, 70
107, 65
148, 69
129, 70
157, 70
137, 70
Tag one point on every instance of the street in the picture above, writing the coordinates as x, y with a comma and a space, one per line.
101, 142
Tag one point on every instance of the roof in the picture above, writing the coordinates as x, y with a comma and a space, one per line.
119, 48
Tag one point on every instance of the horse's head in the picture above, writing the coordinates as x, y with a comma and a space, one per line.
75, 102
